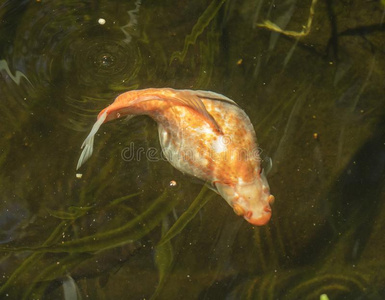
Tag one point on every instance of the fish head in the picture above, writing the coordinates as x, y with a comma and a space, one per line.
251, 200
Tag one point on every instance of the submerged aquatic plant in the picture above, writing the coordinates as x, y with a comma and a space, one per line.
131, 231
304, 32
82, 249
15, 78
199, 202
203, 21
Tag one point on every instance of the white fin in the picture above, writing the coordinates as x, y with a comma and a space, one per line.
88, 144
213, 96
269, 164
212, 187
70, 289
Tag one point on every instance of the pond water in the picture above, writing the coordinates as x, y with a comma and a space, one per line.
138, 228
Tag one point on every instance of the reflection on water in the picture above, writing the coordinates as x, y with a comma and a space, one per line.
121, 229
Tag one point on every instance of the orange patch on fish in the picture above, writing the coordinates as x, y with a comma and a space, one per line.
206, 135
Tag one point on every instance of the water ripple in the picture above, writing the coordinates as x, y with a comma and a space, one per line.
72, 47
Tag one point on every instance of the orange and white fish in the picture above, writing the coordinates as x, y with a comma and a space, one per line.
206, 135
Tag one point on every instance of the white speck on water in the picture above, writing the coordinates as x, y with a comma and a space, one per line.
79, 175
101, 21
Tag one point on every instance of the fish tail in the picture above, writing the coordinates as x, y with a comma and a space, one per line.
88, 144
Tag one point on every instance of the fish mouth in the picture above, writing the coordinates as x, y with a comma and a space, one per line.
260, 221
248, 216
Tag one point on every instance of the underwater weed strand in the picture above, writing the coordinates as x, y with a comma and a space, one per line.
54, 271
15, 78
300, 100
33, 258
328, 282
199, 202
203, 21
132, 230
164, 257
304, 32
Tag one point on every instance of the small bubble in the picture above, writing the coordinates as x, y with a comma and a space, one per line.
106, 60
102, 21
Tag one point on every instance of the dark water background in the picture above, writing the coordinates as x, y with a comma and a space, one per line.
318, 107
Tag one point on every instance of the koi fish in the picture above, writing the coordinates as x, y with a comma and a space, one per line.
206, 135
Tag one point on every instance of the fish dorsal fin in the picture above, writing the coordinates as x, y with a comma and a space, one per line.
214, 96
184, 97
191, 99
88, 144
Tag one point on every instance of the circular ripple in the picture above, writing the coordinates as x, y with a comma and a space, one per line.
101, 61
75, 63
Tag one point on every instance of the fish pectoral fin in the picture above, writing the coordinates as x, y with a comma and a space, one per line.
129, 117
212, 187
88, 144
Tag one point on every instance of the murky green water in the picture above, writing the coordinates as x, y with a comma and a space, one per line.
318, 107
